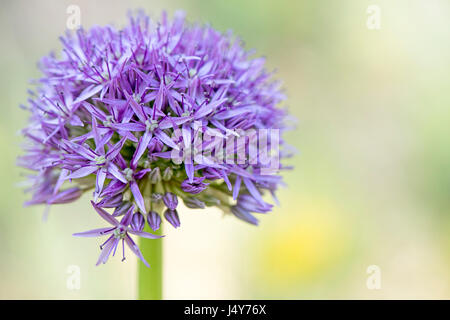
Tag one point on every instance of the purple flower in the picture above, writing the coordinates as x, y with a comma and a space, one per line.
129, 113
137, 222
172, 217
121, 209
118, 232
244, 214
193, 203
65, 196
155, 175
168, 173
249, 203
112, 202
194, 187
89, 162
170, 200
154, 220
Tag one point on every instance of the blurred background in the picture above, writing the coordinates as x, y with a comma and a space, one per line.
371, 181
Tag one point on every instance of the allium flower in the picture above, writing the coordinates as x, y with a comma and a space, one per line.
148, 114
154, 220
172, 217
170, 200
119, 231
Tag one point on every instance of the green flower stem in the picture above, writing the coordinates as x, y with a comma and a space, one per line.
150, 279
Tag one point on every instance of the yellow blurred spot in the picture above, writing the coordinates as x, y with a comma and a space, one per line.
310, 245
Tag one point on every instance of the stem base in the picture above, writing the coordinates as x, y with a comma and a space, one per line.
150, 279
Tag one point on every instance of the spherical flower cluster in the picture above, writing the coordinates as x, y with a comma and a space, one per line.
143, 117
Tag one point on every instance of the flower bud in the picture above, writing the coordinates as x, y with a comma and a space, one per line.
168, 173
156, 197
211, 174
155, 175
211, 201
137, 222
249, 203
243, 214
193, 203
153, 220
155, 145
172, 217
170, 200
195, 187
121, 209
111, 202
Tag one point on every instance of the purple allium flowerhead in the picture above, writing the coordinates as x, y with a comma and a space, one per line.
150, 113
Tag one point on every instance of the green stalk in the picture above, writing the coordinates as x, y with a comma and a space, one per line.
150, 279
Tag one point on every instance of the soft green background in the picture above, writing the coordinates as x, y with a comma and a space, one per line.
372, 179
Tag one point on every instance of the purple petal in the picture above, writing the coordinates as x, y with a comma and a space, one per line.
145, 234
65, 196
87, 93
81, 150
96, 135
121, 209
127, 218
115, 150
227, 181
137, 222
207, 109
62, 177
172, 217
99, 182
136, 107
169, 122
186, 131
170, 200
82, 172
95, 232
189, 167
142, 146
140, 174
137, 196
112, 168
99, 114
133, 247
106, 251
165, 139
237, 187
105, 215
128, 126
244, 215
154, 220
111, 201
253, 190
